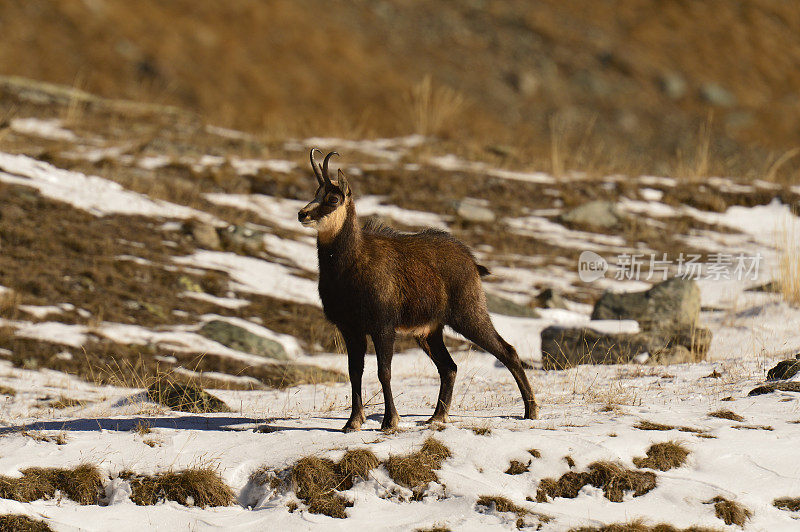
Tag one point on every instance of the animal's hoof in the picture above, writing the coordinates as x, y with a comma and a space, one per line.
532, 413
353, 424
438, 418
390, 424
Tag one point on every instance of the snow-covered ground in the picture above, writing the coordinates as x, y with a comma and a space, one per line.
588, 413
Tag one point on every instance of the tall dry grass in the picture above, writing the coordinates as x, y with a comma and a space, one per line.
435, 109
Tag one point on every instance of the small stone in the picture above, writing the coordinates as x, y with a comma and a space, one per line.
474, 211
716, 94
548, 298
204, 234
673, 85
240, 238
593, 214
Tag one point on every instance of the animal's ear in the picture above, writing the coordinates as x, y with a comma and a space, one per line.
343, 184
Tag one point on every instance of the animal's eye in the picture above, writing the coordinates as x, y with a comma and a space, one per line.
333, 200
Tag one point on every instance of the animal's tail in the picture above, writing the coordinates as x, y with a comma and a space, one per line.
483, 271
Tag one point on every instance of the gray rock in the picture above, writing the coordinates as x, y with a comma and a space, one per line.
565, 347
501, 305
242, 239
716, 94
568, 347
548, 298
674, 354
204, 234
673, 85
790, 386
785, 369
474, 211
594, 214
241, 339
673, 305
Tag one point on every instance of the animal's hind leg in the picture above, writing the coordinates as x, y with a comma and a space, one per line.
483, 334
434, 346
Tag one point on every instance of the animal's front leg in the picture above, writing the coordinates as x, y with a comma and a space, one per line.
356, 350
384, 349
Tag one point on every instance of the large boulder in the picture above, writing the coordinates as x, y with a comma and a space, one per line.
667, 307
501, 305
241, 339
785, 369
565, 347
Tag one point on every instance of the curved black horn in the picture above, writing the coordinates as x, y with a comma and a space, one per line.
325, 165
315, 166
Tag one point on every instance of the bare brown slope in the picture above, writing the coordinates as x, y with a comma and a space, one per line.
524, 68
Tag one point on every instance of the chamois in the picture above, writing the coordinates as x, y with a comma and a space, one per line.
376, 281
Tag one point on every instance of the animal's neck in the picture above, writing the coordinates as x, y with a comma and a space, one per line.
338, 249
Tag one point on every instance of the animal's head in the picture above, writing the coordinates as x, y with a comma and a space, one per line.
328, 210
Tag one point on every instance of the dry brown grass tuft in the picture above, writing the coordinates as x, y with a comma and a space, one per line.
791, 504
481, 430
64, 402
191, 487
356, 463
731, 512
726, 414
535, 453
22, 523
613, 478
142, 427
435, 110
317, 481
649, 425
517, 468
434, 528
81, 484
184, 397
570, 461
6, 390
789, 266
415, 470
639, 525
663, 456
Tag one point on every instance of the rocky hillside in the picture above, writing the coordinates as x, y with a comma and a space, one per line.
678, 88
